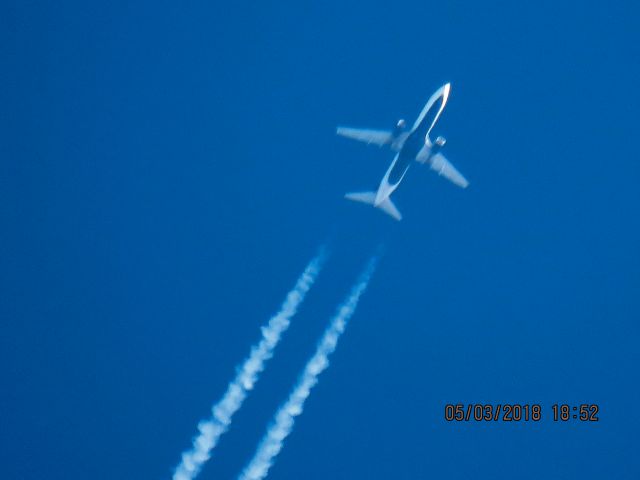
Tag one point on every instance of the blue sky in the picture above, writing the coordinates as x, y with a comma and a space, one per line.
167, 170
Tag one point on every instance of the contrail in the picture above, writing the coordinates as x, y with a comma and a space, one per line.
210, 430
282, 425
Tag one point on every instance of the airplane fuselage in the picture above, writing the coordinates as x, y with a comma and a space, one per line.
416, 146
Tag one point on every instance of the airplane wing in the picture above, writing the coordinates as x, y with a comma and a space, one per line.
441, 165
377, 137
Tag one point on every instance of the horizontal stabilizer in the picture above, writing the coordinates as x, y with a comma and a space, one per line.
362, 197
369, 198
390, 209
441, 165
377, 137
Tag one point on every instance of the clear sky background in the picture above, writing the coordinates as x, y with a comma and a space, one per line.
168, 168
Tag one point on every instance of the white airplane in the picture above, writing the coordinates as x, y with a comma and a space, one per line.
410, 145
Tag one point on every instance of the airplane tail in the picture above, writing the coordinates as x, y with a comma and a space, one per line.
369, 198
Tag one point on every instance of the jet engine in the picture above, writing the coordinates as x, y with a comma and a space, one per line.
400, 126
437, 145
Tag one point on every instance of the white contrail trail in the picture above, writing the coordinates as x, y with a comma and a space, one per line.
210, 430
282, 425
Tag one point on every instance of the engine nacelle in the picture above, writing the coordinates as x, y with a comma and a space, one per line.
437, 145
400, 126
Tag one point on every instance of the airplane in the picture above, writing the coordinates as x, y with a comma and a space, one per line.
411, 145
